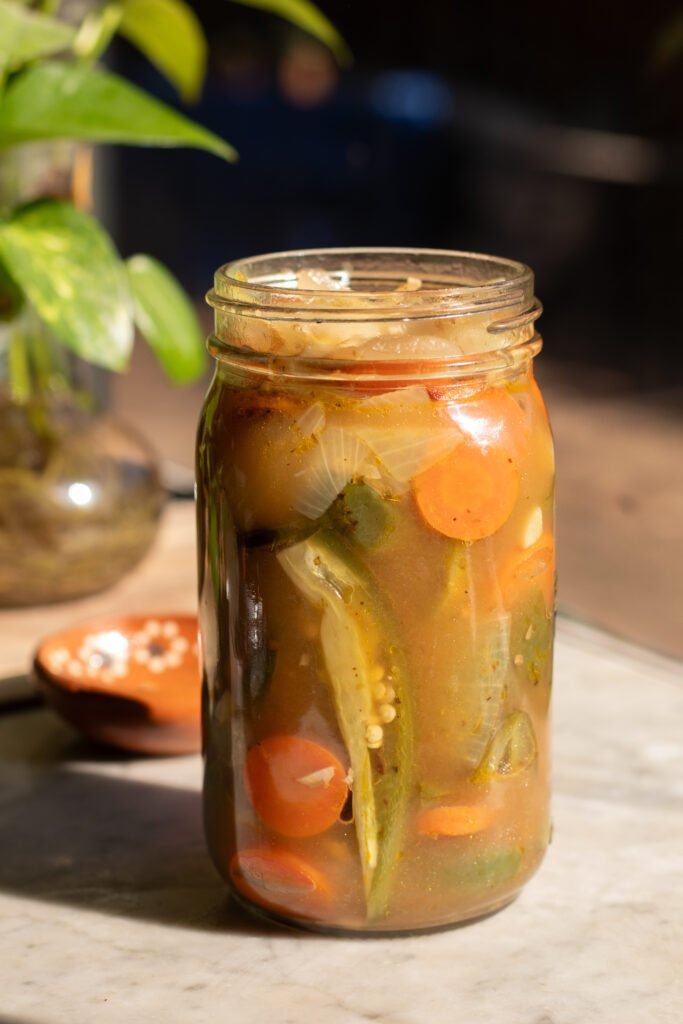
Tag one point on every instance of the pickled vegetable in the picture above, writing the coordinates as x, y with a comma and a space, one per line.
529, 570
380, 758
361, 514
485, 870
363, 659
468, 660
296, 786
530, 641
512, 749
470, 493
454, 820
279, 879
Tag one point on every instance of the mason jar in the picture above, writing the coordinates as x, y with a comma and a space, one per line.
376, 583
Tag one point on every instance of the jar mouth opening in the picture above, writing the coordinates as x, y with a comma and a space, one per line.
341, 312
347, 284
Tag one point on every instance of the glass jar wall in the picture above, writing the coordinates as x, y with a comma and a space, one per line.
376, 555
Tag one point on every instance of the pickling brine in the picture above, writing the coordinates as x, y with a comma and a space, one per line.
377, 581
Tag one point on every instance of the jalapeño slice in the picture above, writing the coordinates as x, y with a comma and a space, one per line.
368, 677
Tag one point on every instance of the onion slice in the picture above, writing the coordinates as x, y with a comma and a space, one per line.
335, 461
398, 401
407, 451
312, 421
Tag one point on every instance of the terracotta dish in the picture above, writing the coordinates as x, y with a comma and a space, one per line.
131, 682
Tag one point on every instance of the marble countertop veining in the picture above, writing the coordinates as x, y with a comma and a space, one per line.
111, 912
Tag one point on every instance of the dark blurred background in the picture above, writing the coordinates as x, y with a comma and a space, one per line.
550, 133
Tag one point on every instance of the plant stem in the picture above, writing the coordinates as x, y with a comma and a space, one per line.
9, 182
47, 6
36, 365
17, 364
41, 353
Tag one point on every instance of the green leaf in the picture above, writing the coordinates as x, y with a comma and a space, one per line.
171, 36
96, 31
166, 319
26, 35
69, 271
11, 298
305, 15
63, 101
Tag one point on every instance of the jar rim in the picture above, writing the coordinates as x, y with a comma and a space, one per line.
390, 287
376, 283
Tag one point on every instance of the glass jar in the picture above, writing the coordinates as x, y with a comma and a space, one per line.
80, 493
376, 562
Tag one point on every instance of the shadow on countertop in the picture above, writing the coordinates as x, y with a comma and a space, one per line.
73, 834
17, 1020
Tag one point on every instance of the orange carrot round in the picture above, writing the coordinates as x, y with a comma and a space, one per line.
297, 787
277, 879
454, 820
491, 417
469, 493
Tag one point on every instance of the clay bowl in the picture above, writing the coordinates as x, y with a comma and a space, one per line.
131, 682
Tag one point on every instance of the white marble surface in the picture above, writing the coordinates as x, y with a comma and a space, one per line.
111, 912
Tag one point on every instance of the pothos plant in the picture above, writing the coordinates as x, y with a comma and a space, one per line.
56, 259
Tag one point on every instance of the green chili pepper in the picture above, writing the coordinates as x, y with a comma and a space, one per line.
368, 678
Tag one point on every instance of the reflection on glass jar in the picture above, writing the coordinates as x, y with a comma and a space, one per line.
375, 509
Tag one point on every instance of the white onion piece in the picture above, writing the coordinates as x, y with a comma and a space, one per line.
407, 451
316, 339
388, 486
533, 529
315, 279
331, 338
411, 284
335, 461
423, 346
398, 400
311, 422
381, 481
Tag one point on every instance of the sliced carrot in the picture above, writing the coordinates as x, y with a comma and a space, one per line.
297, 786
469, 493
492, 418
278, 879
528, 568
454, 820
